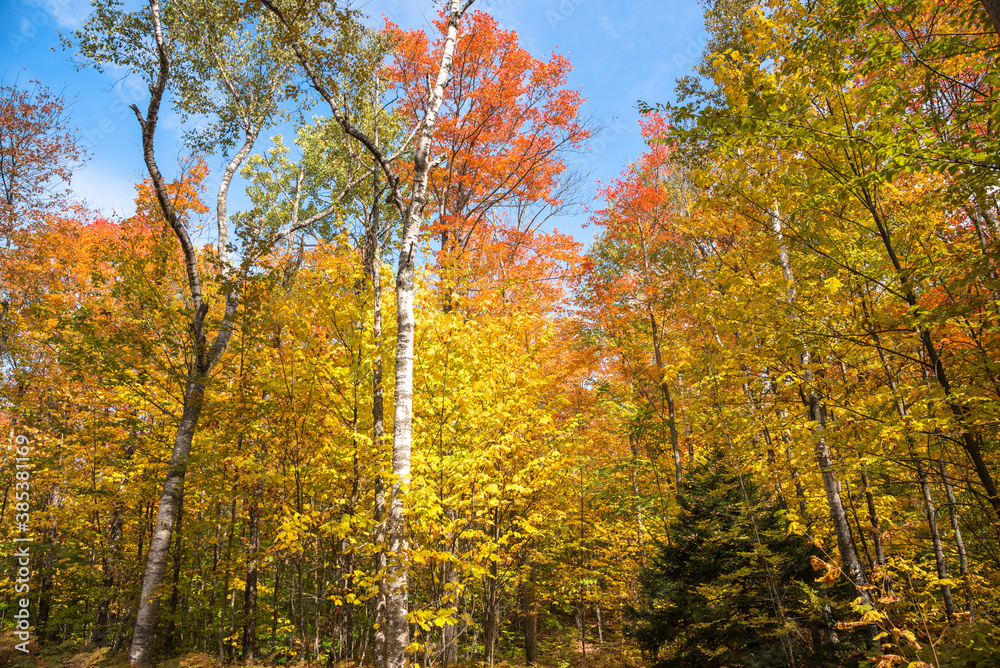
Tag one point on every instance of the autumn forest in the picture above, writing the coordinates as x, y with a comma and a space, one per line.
338, 393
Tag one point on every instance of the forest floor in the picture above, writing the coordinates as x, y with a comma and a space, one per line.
555, 651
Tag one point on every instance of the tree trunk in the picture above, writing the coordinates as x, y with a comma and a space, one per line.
817, 415
250, 589
931, 511
674, 436
175, 588
668, 400
109, 566
857, 525
398, 635
48, 569
640, 530
449, 632
274, 608
841, 526
397, 629
492, 626
225, 585
140, 653
873, 518
303, 619
993, 9
529, 613
600, 622
203, 356
581, 624
963, 558
374, 261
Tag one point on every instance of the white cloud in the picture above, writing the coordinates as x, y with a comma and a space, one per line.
69, 14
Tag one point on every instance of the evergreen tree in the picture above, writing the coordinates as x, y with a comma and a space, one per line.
731, 588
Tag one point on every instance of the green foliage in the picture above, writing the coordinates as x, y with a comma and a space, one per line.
731, 587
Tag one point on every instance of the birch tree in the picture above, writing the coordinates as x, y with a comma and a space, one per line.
207, 64
408, 194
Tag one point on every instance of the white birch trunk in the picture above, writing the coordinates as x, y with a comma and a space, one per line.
398, 632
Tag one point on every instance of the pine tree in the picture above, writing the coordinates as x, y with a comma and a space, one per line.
731, 587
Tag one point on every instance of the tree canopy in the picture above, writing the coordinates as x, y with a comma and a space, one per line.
339, 392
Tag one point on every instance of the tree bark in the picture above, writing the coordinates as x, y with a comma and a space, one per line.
225, 584
817, 415
841, 525
398, 636
449, 632
492, 609
175, 588
873, 518
993, 9
529, 612
857, 525
397, 575
931, 512
640, 529
274, 607
374, 261
600, 622
963, 557
668, 401
140, 653
250, 589
109, 566
203, 356
48, 570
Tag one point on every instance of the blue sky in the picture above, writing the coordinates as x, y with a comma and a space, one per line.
621, 51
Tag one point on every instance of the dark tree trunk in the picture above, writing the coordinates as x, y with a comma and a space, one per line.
374, 260
993, 8
45, 593
529, 616
175, 589
274, 607
48, 569
225, 585
931, 511
873, 518
492, 625
449, 632
250, 590
108, 565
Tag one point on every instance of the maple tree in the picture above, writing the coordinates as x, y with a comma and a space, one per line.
506, 123
38, 153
